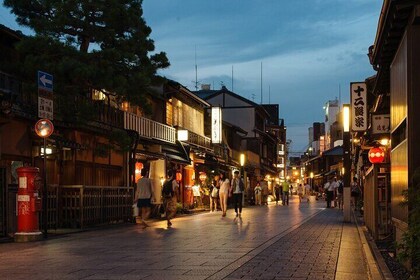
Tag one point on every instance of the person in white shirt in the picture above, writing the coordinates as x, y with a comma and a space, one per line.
308, 191
223, 192
300, 192
143, 195
329, 191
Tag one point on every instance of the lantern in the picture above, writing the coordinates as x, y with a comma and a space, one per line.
139, 166
179, 176
376, 155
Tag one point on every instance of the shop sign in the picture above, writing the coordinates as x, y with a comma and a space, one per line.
380, 124
216, 125
358, 96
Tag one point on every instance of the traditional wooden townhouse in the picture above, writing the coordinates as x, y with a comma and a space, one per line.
258, 144
84, 156
395, 57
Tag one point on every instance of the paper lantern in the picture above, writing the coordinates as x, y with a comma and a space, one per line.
376, 155
178, 176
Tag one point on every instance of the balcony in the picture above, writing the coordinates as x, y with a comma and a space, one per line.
149, 129
199, 140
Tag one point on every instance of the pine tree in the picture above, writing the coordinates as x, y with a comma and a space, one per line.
101, 44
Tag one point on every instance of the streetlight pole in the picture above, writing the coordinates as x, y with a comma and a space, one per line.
242, 163
347, 163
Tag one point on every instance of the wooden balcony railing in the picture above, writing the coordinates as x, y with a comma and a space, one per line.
199, 140
148, 128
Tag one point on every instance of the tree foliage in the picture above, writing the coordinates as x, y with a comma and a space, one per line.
101, 44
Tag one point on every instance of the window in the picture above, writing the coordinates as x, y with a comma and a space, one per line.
169, 112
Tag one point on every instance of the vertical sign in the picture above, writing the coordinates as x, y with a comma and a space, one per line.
216, 125
45, 96
358, 98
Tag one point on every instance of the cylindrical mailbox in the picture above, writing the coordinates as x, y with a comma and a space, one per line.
28, 204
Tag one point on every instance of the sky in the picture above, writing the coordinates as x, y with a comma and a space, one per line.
310, 50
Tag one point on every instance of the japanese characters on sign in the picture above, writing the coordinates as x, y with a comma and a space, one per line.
380, 124
358, 96
216, 125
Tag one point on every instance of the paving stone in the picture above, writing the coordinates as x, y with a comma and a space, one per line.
275, 242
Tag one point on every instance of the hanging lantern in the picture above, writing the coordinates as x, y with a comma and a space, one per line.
376, 155
179, 176
138, 167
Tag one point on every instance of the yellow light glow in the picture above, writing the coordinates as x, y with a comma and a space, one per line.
48, 151
384, 141
242, 159
342, 170
311, 175
162, 180
346, 118
182, 135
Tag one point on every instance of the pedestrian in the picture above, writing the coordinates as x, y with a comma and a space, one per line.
237, 189
214, 193
300, 192
143, 196
329, 191
308, 191
257, 191
355, 193
340, 189
285, 189
277, 192
264, 192
170, 194
291, 190
223, 192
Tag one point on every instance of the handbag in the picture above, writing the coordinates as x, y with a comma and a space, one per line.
215, 192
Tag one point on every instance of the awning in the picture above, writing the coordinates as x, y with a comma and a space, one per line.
331, 172
176, 152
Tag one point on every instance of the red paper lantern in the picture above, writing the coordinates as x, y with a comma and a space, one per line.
178, 176
376, 155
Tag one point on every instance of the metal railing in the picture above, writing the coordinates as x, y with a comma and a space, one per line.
148, 128
81, 206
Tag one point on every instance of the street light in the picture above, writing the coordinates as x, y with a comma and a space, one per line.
242, 163
347, 162
44, 128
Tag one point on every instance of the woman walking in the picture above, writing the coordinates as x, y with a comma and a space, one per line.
214, 193
224, 192
170, 194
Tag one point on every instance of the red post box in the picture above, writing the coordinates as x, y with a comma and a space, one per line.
28, 204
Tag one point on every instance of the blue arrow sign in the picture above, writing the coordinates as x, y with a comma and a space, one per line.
45, 81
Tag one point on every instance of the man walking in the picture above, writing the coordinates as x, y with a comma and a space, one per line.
237, 188
286, 188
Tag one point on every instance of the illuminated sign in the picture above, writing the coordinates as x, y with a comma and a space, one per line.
182, 135
216, 125
359, 116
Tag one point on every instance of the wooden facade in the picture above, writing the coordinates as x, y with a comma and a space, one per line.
396, 57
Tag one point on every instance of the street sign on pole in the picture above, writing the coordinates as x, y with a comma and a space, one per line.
45, 83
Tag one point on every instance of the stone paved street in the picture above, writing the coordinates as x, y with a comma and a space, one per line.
274, 242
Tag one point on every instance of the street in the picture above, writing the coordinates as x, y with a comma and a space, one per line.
270, 242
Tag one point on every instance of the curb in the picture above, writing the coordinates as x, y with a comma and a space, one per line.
376, 265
